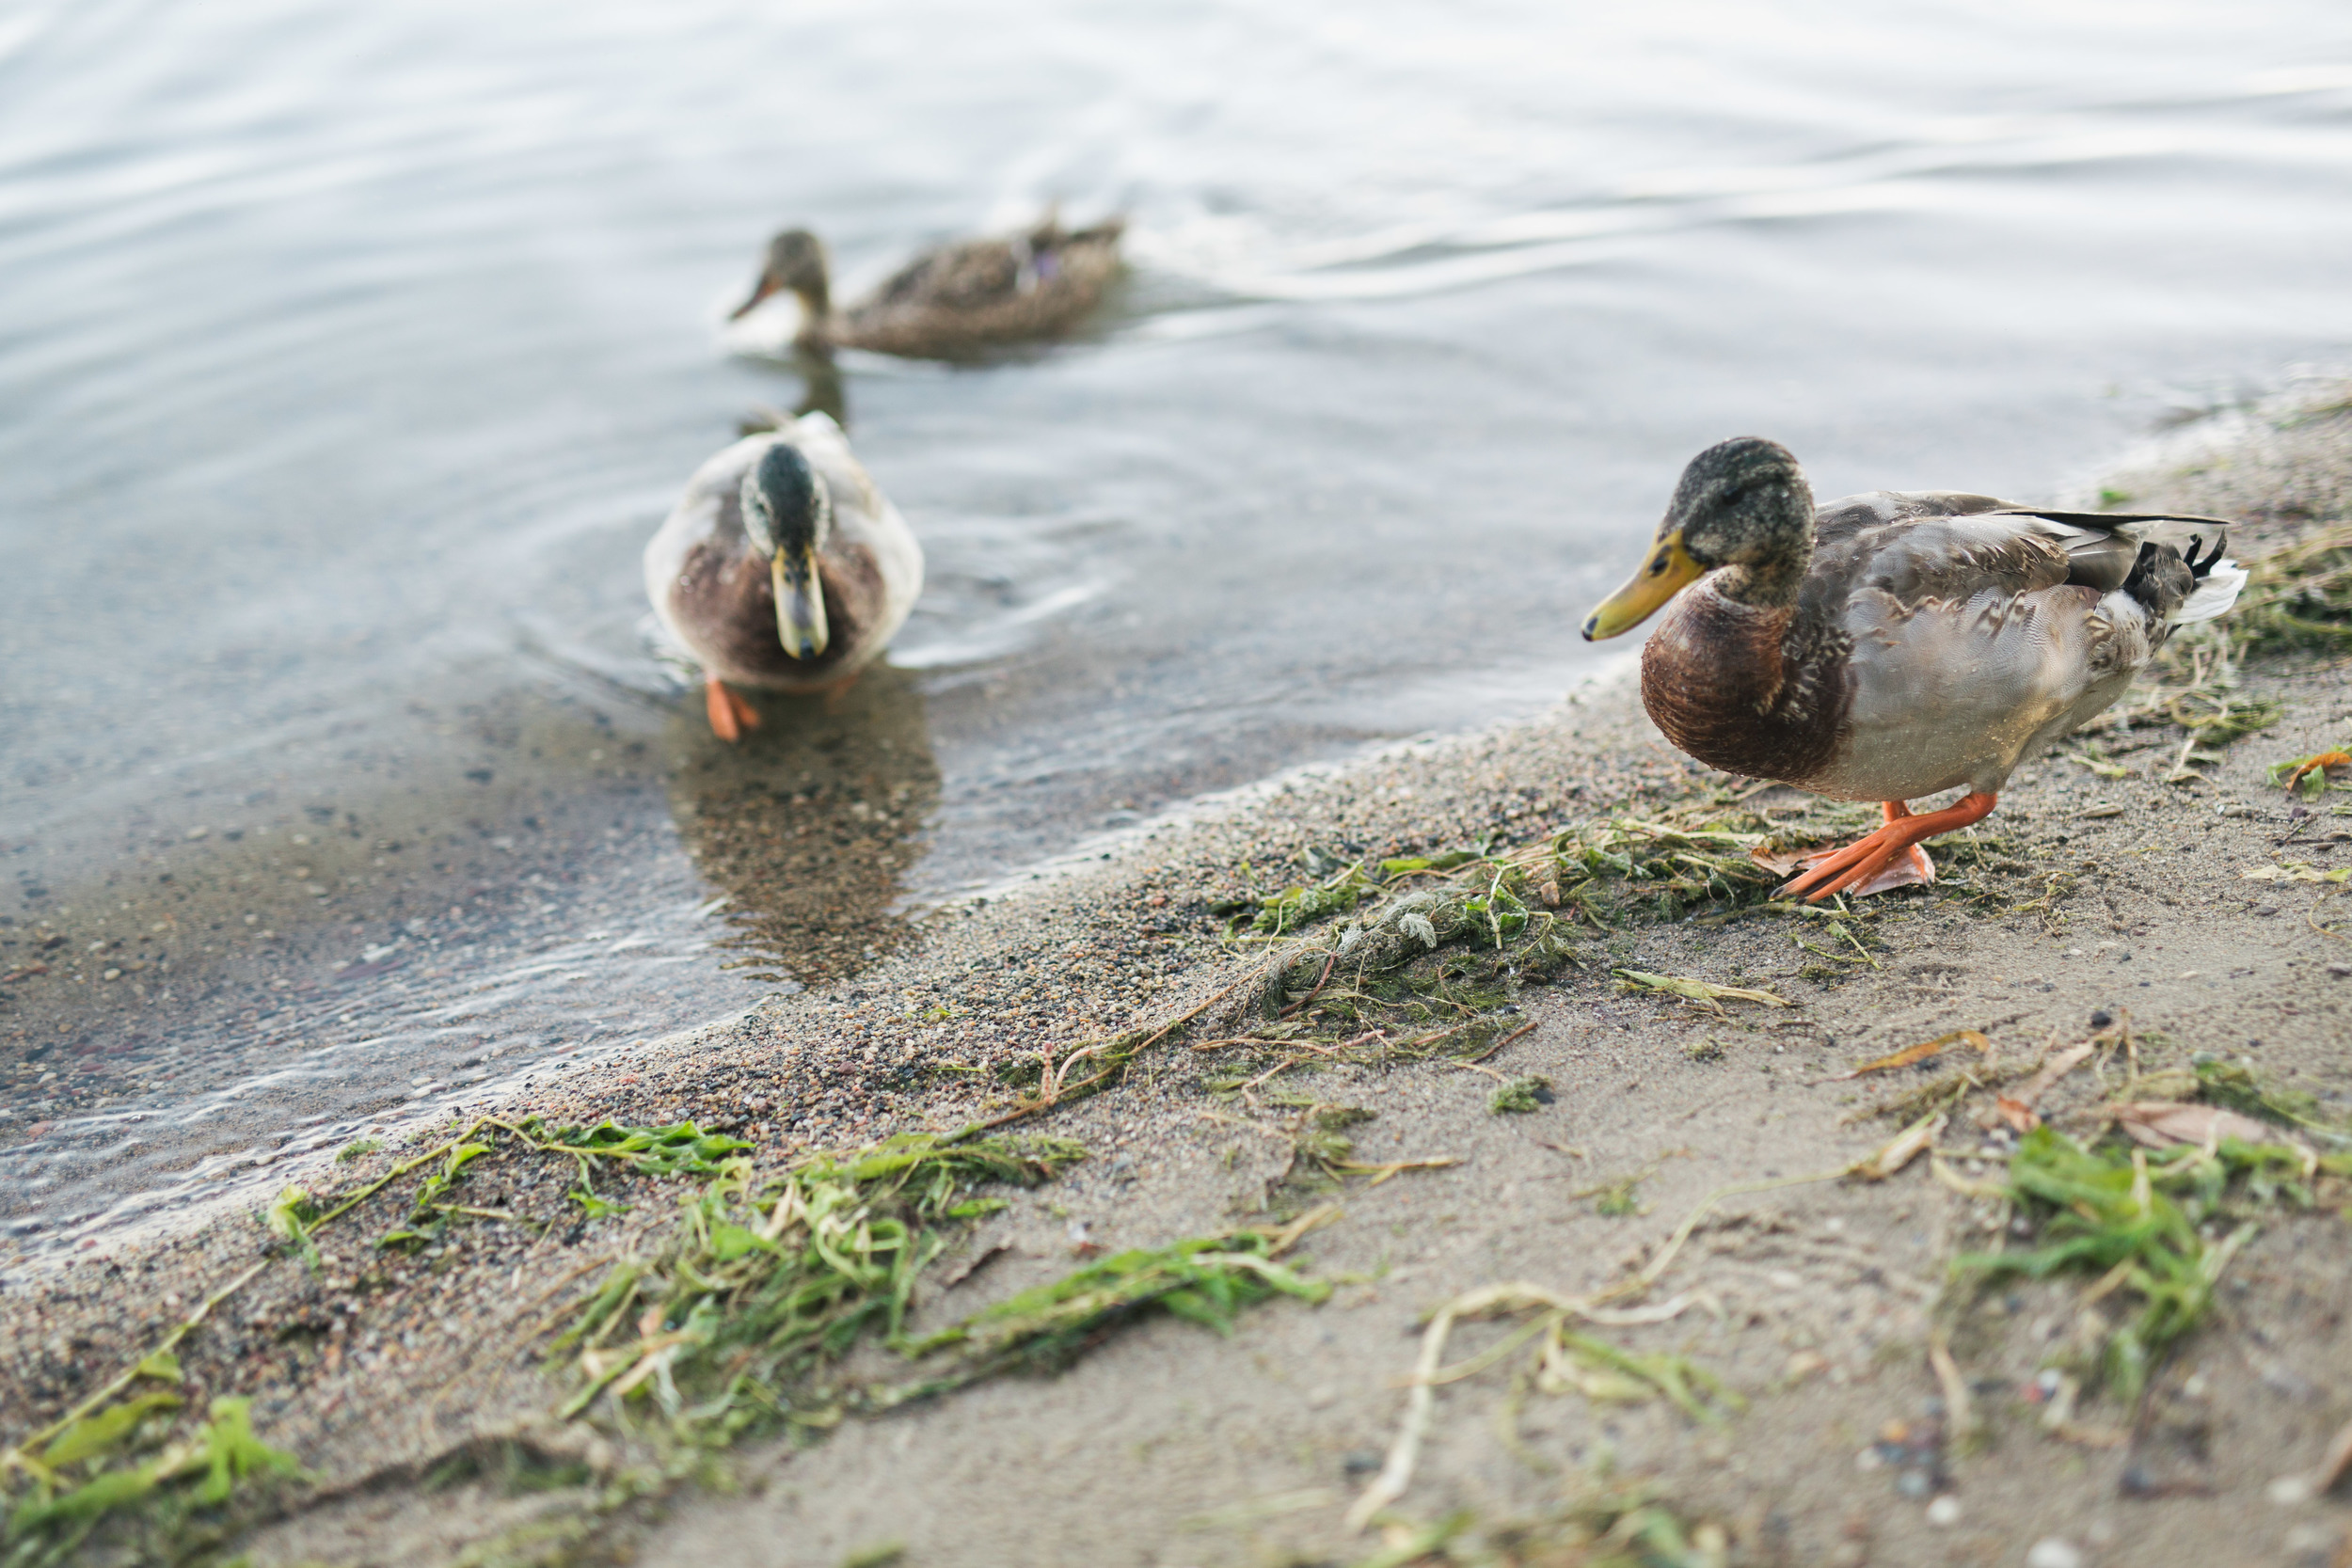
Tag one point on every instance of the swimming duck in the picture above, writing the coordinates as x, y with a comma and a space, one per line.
782, 567
1894, 644
951, 302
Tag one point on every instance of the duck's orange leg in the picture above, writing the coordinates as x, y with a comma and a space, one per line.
730, 715
1865, 858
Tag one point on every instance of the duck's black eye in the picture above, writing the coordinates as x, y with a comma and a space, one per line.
1733, 496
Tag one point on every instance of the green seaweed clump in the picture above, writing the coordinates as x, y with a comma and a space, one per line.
1295, 907
2143, 1217
1207, 1280
768, 1283
681, 1148
1519, 1097
135, 1468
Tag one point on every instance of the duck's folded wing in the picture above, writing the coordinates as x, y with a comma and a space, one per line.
1944, 544
2159, 528
960, 277
1907, 550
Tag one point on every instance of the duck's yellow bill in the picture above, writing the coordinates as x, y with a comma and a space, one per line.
800, 603
1668, 572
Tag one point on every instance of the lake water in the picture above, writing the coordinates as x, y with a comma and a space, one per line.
349, 352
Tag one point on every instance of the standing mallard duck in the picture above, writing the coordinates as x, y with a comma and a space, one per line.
782, 567
952, 302
1895, 644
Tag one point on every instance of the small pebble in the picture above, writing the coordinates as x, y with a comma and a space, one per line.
2101, 1018
2290, 1490
2051, 1552
1944, 1510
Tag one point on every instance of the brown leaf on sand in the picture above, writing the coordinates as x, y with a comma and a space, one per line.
2339, 1460
1919, 1053
2019, 1114
2018, 1109
2325, 764
2161, 1123
1913, 870
1899, 1151
2052, 1070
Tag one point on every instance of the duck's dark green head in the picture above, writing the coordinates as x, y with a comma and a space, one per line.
788, 513
796, 263
1742, 502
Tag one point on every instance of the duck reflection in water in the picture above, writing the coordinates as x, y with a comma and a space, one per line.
822, 391
810, 826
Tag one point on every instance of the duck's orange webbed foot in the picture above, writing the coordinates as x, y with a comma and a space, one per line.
1857, 864
730, 715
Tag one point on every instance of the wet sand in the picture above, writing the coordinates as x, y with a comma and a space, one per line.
397, 1379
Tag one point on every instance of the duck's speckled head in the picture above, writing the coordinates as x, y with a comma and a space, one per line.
787, 515
795, 263
1742, 504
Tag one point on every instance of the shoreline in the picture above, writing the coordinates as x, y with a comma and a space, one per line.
1672, 1100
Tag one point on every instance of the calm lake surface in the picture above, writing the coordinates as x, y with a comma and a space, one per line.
348, 353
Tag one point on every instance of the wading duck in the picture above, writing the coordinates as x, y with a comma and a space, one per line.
782, 568
952, 302
1894, 645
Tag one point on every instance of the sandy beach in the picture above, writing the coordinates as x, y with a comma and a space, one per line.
1676, 1183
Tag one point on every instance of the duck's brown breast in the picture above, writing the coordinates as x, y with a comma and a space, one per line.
1748, 690
728, 601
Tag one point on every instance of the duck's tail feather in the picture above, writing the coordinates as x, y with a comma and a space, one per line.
2218, 585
